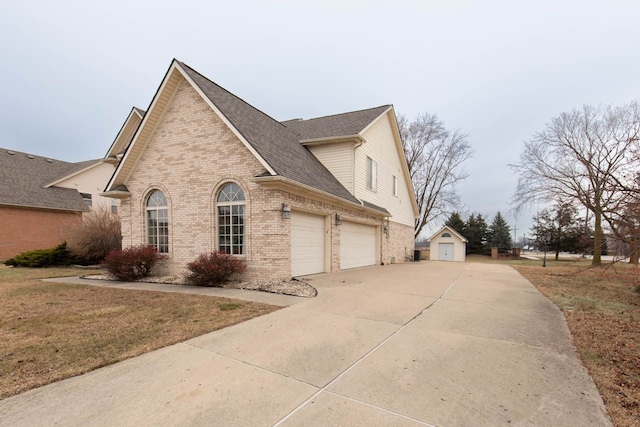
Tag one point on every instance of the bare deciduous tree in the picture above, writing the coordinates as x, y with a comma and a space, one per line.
435, 156
99, 234
588, 155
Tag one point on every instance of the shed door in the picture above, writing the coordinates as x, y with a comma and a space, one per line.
445, 251
307, 244
357, 245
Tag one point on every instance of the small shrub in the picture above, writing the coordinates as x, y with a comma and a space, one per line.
213, 269
132, 263
43, 258
99, 234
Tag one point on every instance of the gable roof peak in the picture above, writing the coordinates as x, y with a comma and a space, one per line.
229, 93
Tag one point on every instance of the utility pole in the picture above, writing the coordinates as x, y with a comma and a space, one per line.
515, 235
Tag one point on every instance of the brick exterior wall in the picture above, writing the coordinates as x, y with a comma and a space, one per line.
190, 157
23, 229
399, 245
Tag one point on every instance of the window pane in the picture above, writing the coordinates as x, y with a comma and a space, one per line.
231, 193
158, 223
157, 198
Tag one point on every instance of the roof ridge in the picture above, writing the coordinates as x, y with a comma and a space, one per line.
339, 114
231, 93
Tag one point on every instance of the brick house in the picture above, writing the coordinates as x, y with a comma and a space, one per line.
42, 199
206, 171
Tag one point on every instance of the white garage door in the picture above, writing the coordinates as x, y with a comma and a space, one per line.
445, 251
307, 244
357, 245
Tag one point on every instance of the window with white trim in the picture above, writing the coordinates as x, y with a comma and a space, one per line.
157, 221
395, 185
230, 207
114, 206
372, 174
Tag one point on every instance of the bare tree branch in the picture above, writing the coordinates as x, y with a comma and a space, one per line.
588, 155
435, 157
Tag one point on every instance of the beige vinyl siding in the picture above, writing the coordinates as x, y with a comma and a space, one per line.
92, 181
381, 147
338, 158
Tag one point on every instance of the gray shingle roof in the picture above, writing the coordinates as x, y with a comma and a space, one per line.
275, 143
337, 125
23, 177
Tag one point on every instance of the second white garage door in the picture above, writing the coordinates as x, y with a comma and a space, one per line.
307, 244
357, 245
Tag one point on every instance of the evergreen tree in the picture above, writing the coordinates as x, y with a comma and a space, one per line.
559, 228
476, 234
483, 230
456, 222
500, 234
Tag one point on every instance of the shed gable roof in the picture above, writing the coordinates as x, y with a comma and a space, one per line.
451, 230
23, 178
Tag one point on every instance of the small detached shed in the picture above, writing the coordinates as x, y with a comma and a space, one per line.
448, 245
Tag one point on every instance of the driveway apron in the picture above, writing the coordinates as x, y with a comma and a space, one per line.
429, 343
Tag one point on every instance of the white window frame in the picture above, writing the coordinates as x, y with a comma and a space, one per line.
372, 174
158, 233
226, 221
395, 186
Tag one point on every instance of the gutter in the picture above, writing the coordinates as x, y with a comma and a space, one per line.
296, 187
335, 139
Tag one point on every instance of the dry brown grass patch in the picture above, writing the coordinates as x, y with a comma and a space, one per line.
51, 331
603, 312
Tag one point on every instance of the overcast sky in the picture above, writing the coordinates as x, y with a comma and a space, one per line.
497, 70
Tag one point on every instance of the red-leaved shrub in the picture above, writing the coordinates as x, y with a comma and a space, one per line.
213, 269
132, 263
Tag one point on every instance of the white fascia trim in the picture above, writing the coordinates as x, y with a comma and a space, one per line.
98, 162
332, 139
124, 126
116, 194
246, 143
134, 139
286, 182
403, 161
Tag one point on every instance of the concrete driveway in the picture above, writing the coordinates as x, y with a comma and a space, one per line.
429, 343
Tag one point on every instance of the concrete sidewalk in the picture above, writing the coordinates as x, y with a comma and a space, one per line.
427, 343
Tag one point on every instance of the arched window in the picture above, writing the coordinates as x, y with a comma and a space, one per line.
157, 219
446, 235
230, 208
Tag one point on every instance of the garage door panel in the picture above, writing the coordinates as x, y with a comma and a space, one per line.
357, 245
445, 251
307, 244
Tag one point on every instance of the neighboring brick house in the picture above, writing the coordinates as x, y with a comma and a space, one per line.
42, 199
207, 171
